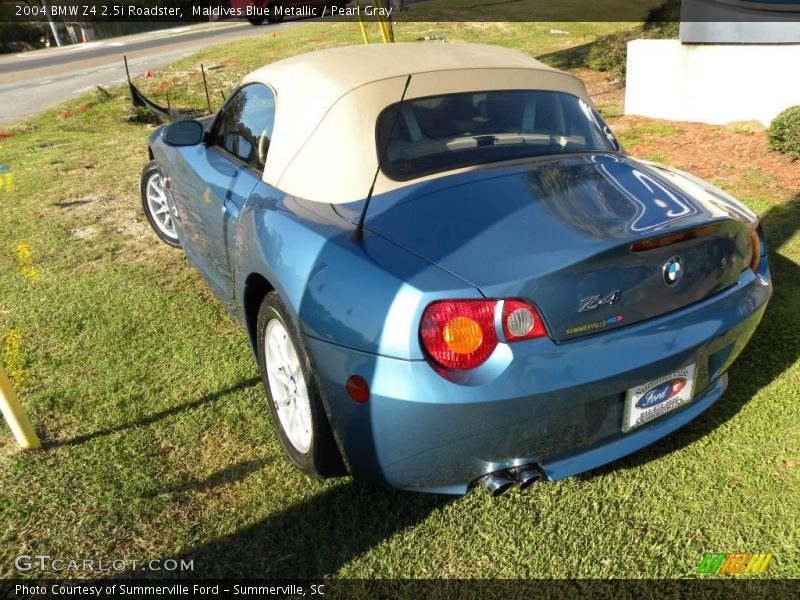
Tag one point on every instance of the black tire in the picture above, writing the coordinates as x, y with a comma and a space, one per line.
336, 4
256, 20
322, 459
275, 12
148, 173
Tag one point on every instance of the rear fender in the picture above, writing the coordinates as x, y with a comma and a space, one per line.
367, 295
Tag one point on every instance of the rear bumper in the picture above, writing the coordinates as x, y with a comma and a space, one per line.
558, 405
584, 459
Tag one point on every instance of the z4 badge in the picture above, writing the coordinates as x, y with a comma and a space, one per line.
597, 301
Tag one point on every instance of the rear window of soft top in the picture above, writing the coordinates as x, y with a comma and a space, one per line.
441, 133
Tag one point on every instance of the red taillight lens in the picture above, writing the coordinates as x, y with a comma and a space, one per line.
459, 334
521, 321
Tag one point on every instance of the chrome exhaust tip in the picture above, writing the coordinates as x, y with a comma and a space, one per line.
497, 483
526, 476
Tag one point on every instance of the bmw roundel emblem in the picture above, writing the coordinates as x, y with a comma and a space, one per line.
672, 270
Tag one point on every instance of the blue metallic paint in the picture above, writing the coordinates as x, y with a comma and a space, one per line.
367, 296
558, 230
421, 431
482, 233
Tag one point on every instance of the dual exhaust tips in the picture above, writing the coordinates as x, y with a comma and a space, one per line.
499, 482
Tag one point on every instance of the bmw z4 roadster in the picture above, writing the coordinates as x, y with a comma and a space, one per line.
449, 270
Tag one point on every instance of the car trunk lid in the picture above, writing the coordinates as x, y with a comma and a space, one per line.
559, 234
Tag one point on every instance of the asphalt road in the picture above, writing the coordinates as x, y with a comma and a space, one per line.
33, 81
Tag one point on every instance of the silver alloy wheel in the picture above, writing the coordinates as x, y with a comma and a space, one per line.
288, 386
158, 206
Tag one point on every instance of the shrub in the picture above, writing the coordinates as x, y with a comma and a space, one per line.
15, 37
664, 21
784, 132
610, 52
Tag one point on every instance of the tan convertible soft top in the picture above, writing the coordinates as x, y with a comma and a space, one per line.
323, 144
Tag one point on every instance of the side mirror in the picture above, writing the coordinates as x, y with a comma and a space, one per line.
183, 133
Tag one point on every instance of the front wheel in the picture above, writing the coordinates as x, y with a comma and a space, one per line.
255, 20
155, 204
294, 398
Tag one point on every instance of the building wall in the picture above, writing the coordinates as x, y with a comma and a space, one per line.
740, 21
711, 83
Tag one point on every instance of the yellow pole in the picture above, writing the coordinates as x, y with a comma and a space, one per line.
387, 38
15, 415
363, 31
390, 28
362, 24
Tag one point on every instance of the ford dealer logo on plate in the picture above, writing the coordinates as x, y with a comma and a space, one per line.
661, 392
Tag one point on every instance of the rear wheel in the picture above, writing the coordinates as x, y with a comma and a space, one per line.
255, 20
294, 398
155, 204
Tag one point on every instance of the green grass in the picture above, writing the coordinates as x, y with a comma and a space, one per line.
648, 131
752, 185
746, 128
658, 157
158, 440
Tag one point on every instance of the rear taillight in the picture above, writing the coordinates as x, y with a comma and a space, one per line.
521, 321
755, 243
461, 334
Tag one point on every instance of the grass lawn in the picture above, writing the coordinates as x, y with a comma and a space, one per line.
158, 437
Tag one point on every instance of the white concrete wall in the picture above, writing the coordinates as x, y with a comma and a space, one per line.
711, 83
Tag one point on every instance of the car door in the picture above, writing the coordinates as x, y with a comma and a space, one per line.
228, 166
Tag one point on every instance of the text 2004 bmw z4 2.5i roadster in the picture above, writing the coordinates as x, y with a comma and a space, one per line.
449, 270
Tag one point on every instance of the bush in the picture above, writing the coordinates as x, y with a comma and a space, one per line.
16, 37
664, 21
784, 132
610, 52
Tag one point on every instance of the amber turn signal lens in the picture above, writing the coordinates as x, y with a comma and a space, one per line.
462, 335
459, 334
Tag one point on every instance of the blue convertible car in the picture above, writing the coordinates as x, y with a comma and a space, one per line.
449, 270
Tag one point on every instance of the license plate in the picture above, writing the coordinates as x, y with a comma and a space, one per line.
657, 397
